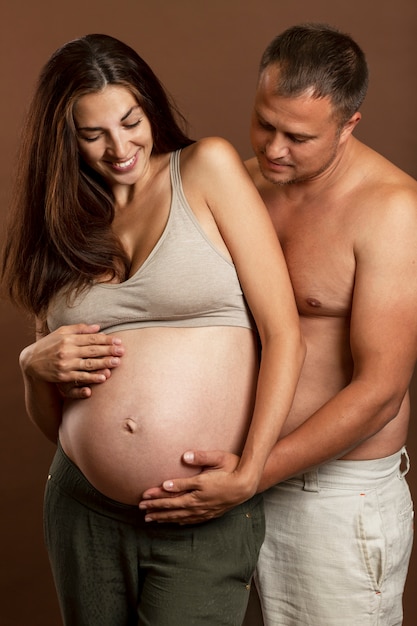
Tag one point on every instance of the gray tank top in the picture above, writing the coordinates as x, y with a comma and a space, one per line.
184, 282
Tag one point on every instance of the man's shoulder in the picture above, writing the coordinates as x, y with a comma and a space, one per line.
371, 180
377, 170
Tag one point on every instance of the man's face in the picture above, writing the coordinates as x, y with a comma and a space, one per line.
294, 139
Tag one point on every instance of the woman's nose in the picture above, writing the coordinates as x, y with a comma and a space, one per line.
117, 146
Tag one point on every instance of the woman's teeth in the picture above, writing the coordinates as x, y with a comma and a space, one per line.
124, 164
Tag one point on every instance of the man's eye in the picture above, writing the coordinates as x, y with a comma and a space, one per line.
297, 139
265, 125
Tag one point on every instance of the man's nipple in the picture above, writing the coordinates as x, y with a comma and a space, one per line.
313, 302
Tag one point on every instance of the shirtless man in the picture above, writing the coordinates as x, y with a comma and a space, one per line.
339, 512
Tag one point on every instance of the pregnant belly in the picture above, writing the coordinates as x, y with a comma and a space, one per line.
176, 389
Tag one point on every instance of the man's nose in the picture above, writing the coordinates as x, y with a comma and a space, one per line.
277, 147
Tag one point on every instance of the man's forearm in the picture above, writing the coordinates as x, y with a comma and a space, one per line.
343, 423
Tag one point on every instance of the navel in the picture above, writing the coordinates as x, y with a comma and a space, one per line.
130, 425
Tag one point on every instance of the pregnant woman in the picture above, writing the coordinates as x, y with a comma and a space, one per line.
123, 224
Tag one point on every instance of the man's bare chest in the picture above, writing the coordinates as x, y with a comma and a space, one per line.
321, 262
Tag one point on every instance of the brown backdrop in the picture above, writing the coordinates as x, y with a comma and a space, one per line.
206, 53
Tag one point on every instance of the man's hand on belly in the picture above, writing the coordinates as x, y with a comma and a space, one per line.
197, 498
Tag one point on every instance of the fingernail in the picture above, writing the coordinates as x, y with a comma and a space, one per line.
148, 518
168, 484
188, 456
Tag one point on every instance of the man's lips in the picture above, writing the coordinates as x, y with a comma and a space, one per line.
277, 164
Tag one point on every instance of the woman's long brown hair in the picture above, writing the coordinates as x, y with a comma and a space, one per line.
59, 227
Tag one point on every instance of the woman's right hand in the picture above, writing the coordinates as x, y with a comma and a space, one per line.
74, 357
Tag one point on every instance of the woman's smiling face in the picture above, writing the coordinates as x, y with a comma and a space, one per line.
114, 134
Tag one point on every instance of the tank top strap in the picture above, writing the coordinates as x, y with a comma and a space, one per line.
174, 169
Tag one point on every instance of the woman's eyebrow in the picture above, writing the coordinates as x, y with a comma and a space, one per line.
100, 128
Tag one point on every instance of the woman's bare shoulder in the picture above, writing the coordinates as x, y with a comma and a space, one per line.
212, 152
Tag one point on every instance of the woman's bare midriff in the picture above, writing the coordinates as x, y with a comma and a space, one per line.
176, 389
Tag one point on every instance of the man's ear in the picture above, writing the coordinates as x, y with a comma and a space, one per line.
349, 126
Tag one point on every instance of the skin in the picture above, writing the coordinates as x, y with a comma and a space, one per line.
119, 378
65, 364
347, 222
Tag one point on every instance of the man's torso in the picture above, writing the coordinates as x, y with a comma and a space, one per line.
321, 237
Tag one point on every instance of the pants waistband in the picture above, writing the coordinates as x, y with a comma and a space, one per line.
69, 478
355, 474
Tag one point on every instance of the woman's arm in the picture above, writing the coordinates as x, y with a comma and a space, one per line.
248, 233
66, 362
